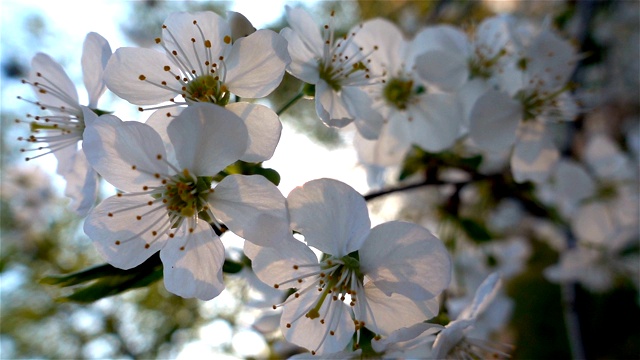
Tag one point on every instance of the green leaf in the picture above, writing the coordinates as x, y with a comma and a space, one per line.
475, 230
245, 168
231, 267
106, 280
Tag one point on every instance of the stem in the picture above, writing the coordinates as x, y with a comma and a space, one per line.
290, 103
426, 182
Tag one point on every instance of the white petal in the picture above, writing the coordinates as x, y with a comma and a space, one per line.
446, 38
125, 68
330, 107
445, 70
256, 64
121, 238
551, 61
436, 123
310, 333
604, 157
193, 262
47, 72
207, 138
494, 120
183, 27
304, 61
388, 38
124, 153
407, 259
264, 129
390, 313
448, 338
368, 121
331, 215
534, 154
66, 159
240, 200
275, 265
82, 185
305, 27
573, 184
484, 295
95, 55
406, 338
240, 25
389, 149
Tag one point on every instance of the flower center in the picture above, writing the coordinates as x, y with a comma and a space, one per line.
399, 92
185, 196
207, 88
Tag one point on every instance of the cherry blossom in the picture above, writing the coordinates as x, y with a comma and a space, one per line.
383, 278
202, 62
533, 95
335, 65
412, 111
60, 132
167, 204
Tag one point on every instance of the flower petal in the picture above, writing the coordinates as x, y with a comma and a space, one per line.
306, 28
331, 215
82, 185
535, 154
415, 264
119, 236
494, 121
240, 25
193, 262
137, 74
390, 313
207, 138
304, 61
126, 154
256, 64
436, 123
312, 333
187, 34
264, 129
95, 55
239, 201
330, 107
276, 265
445, 70
47, 72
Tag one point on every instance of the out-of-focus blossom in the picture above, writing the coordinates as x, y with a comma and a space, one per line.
61, 131
336, 65
454, 341
412, 111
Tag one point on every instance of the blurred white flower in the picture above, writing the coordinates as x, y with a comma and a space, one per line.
62, 130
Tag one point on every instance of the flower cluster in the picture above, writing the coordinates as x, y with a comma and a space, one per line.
442, 98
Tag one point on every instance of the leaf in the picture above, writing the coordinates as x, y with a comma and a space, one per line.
475, 230
245, 168
105, 280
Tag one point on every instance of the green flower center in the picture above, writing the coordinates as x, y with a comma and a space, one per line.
400, 92
207, 88
184, 196
339, 281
